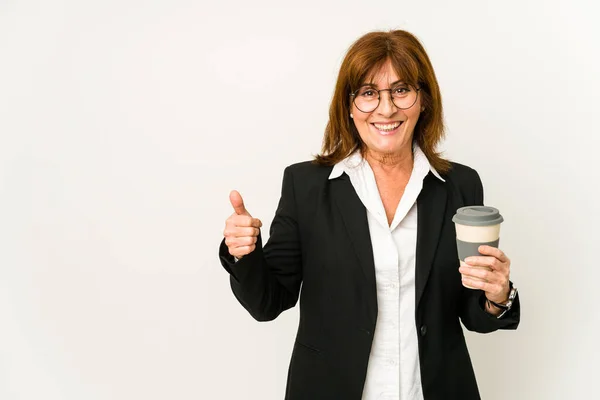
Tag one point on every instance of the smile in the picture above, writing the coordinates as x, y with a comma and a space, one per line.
387, 128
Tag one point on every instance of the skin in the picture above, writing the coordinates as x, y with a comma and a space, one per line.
391, 159
389, 154
496, 283
241, 229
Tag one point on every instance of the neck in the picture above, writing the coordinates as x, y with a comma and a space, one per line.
391, 163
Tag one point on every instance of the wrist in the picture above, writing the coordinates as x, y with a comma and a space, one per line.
499, 309
502, 298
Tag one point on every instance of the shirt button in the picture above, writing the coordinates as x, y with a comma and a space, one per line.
423, 330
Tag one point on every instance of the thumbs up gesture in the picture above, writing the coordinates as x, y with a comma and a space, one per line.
241, 230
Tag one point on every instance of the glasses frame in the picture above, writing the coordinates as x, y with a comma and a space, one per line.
353, 95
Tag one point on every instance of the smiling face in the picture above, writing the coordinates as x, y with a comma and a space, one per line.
387, 130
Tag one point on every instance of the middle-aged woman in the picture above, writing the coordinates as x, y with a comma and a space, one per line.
367, 229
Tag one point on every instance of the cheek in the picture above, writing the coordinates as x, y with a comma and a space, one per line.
363, 129
361, 123
413, 117
364, 132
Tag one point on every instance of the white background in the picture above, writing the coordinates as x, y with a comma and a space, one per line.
125, 124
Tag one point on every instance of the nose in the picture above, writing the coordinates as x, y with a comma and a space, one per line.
386, 106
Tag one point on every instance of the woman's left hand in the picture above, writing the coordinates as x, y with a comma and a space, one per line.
495, 282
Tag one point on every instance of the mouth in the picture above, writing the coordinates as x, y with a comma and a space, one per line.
388, 129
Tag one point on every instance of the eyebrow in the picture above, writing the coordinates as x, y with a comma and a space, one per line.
391, 84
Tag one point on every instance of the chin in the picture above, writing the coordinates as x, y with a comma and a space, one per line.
388, 147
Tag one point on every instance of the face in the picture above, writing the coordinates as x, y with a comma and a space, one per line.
387, 130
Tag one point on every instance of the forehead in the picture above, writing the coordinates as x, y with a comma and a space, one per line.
382, 75
387, 71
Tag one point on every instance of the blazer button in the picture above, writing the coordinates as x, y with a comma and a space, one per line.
423, 330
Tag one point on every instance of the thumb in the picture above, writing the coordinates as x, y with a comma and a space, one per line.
238, 203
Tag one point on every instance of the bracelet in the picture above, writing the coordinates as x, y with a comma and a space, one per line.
509, 302
500, 306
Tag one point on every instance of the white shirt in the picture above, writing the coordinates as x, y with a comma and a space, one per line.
393, 372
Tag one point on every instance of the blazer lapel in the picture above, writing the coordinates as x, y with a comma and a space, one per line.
431, 207
354, 215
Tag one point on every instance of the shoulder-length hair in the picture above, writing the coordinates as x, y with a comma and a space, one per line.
411, 63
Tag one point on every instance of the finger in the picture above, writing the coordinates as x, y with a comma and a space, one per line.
481, 285
241, 231
481, 273
238, 203
242, 251
246, 221
234, 243
493, 251
484, 261
241, 221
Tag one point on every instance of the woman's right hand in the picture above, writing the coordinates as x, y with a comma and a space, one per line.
241, 230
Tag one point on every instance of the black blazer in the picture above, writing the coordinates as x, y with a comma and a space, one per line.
320, 238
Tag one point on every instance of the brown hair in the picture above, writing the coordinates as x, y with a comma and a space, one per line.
364, 58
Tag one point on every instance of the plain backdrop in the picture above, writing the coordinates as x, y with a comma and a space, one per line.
125, 124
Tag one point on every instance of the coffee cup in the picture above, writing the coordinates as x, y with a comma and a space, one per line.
476, 226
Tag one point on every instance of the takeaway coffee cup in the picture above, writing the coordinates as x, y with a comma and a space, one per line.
476, 226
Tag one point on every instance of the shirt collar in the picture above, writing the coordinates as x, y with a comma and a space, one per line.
354, 159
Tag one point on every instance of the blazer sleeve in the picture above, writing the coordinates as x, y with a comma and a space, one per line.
267, 281
472, 309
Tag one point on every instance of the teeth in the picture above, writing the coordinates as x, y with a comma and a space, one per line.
388, 127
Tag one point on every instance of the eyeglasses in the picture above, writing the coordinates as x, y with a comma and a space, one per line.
366, 99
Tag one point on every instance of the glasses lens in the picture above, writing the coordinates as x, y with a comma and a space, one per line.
366, 99
404, 96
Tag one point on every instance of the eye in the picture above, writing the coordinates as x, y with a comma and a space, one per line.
367, 92
401, 90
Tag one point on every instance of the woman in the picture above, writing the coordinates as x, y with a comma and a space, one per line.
366, 228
